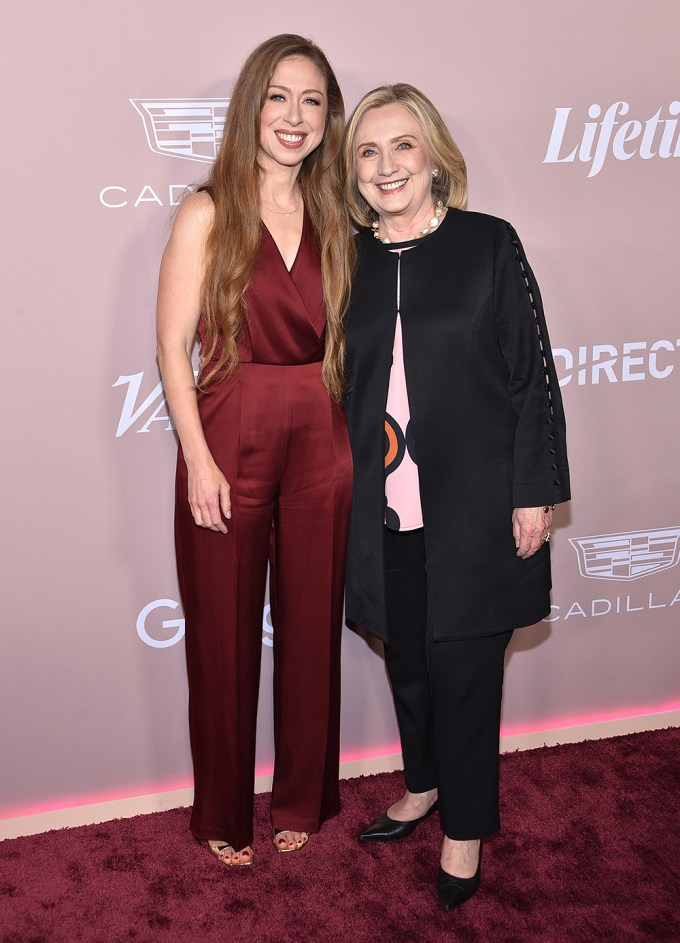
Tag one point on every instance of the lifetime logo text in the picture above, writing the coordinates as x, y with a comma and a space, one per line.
655, 137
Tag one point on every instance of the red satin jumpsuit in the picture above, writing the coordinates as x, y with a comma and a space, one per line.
282, 444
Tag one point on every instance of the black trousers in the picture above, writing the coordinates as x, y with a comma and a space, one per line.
447, 696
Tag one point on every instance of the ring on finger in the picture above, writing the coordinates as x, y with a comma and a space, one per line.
546, 537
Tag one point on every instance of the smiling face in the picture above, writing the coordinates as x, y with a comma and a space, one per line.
393, 165
293, 117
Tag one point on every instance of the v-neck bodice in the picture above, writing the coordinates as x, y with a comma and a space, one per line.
285, 315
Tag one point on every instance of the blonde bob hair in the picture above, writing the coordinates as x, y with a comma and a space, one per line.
450, 184
234, 236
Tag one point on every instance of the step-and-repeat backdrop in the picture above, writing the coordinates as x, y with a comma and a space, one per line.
569, 117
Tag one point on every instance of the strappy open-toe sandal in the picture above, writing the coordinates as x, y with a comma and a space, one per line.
224, 852
282, 844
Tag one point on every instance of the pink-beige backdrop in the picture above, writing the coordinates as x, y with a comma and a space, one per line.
568, 117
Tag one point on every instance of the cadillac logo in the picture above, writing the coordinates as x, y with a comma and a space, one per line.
627, 556
183, 127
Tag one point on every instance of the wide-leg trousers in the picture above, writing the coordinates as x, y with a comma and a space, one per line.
447, 696
282, 445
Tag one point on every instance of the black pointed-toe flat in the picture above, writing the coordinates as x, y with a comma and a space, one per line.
387, 829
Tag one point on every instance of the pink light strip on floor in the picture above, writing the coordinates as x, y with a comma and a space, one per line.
575, 720
75, 802
580, 720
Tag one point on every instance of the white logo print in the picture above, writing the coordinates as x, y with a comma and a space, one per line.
177, 624
267, 627
655, 137
607, 363
131, 411
183, 127
627, 556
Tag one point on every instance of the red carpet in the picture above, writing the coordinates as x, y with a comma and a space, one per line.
589, 852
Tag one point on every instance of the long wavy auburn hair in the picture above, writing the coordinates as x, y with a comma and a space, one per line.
233, 239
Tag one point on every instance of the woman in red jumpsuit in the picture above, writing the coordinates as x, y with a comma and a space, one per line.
258, 266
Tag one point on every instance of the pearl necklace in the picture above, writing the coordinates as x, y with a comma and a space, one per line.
432, 224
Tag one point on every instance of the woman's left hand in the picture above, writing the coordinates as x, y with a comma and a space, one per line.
531, 529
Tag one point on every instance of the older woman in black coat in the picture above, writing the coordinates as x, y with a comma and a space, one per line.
458, 439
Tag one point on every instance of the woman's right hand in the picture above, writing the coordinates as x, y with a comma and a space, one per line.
209, 497
179, 309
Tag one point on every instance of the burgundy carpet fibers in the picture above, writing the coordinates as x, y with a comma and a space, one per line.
590, 851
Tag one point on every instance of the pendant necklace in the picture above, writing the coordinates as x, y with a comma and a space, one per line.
281, 212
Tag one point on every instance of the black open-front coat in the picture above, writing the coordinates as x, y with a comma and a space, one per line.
487, 422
